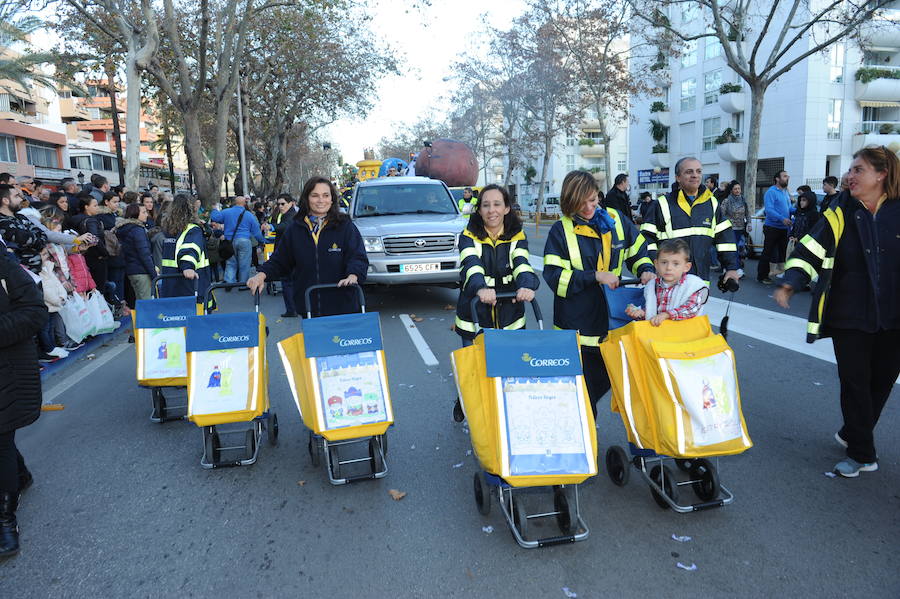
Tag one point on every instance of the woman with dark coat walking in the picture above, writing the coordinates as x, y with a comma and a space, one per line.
22, 315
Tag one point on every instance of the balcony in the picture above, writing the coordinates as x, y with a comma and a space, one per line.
19, 117
589, 124
71, 110
661, 159
663, 117
881, 88
732, 152
594, 151
878, 133
660, 75
882, 31
733, 103
46, 172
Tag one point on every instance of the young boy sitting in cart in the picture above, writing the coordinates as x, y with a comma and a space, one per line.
674, 295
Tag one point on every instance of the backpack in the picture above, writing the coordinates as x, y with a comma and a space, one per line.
113, 246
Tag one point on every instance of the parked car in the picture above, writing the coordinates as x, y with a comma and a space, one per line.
411, 228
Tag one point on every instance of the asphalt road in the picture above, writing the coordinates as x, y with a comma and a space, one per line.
121, 508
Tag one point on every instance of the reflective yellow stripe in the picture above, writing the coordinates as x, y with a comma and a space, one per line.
522, 268
813, 246
690, 231
722, 226
470, 251
812, 328
554, 260
169, 263
520, 253
465, 325
802, 265
667, 217
641, 262
190, 259
620, 234
563, 286
726, 247
828, 263
516, 324
636, 246
649, 227
651, 247
572, 243
471, 271
589, 340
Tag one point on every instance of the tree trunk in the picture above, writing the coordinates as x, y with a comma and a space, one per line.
545, 166
117, 131
132, 170
207, 188
167, 137
757, 97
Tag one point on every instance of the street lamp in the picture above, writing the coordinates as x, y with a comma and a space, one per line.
225, 178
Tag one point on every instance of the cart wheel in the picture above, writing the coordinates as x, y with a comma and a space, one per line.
313, 448
618, 466
482, 495
669, 487
250, 441
272, 428
684, 465
154, 399
211, 444
375, 455
520, 516
566, 518
458, 415
706, 480
335, 456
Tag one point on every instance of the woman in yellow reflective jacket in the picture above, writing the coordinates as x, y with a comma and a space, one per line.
493, 251
184, 252
585, 249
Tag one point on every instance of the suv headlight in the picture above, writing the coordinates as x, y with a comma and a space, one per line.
373, 244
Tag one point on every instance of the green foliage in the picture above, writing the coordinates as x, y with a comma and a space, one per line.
868, 74
661, 62
658, 107
730, 88
530, 174
887, 129
660, 149
728, 137
586, 141
657, 130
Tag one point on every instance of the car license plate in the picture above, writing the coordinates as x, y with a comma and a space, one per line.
425, 267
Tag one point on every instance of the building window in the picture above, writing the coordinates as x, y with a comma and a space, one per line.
711, 130
688, 94
622, 164
689, 57
713, 47
41, 154
80, 162
835, 108
836, 63
711, 83
570, 162
570, 141
94, 113
686, 138
737, 123
7, 148
97, 162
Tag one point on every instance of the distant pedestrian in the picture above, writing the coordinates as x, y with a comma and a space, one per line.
738, 212
240, 226
617, 197
805, 217
854, 250
645, 205
279, 223
830, 187
776, 227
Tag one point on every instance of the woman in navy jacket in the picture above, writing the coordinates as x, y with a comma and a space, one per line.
135, 250
320, 246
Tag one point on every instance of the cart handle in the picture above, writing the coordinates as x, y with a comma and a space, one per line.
172, 275
505, 295
624, 282
214, 286
311, 288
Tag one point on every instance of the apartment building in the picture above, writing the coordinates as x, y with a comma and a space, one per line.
815, 116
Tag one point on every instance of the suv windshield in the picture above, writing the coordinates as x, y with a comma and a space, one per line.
389, 200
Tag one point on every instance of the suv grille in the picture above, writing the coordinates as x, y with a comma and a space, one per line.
419, 244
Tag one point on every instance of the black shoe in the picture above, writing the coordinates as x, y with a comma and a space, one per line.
766, 281
130, 338
72, 345
289, 315
47, 358
9, 528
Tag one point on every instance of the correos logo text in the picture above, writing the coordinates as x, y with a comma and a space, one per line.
165, 318
538, 362
231, 338
352, 342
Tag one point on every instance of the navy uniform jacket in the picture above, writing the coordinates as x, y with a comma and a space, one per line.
183, 253
334, 253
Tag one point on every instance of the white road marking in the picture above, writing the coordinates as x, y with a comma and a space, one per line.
66, 383
418, 340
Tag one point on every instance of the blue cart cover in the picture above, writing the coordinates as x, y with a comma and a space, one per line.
342, 334
164, 312
531, 353
618, 300
222, 331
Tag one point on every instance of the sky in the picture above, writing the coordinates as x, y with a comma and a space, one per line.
428, 39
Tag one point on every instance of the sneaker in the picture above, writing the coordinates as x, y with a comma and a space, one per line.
72, 345
766, 281
850, 468
58, 352
47, 358
840, 440
740, 273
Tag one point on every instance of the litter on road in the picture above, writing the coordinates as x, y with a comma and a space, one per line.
396, 495
680, 539
487, 529
569, 593
690, 568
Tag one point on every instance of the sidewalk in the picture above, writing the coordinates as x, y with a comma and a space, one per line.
85, 352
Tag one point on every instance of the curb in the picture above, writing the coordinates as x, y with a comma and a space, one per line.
81, 353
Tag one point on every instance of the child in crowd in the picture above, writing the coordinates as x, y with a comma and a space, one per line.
674, 295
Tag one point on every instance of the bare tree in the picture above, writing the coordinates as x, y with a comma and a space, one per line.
762, 42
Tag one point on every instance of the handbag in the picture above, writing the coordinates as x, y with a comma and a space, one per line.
226, 247
100, 315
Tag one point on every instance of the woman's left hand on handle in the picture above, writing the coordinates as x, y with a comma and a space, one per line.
351, 279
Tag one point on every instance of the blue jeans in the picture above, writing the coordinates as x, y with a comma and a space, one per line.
240, 262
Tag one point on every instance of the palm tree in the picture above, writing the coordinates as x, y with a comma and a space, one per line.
15, 27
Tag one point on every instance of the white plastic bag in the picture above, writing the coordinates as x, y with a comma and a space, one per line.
76, 317
101, 316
